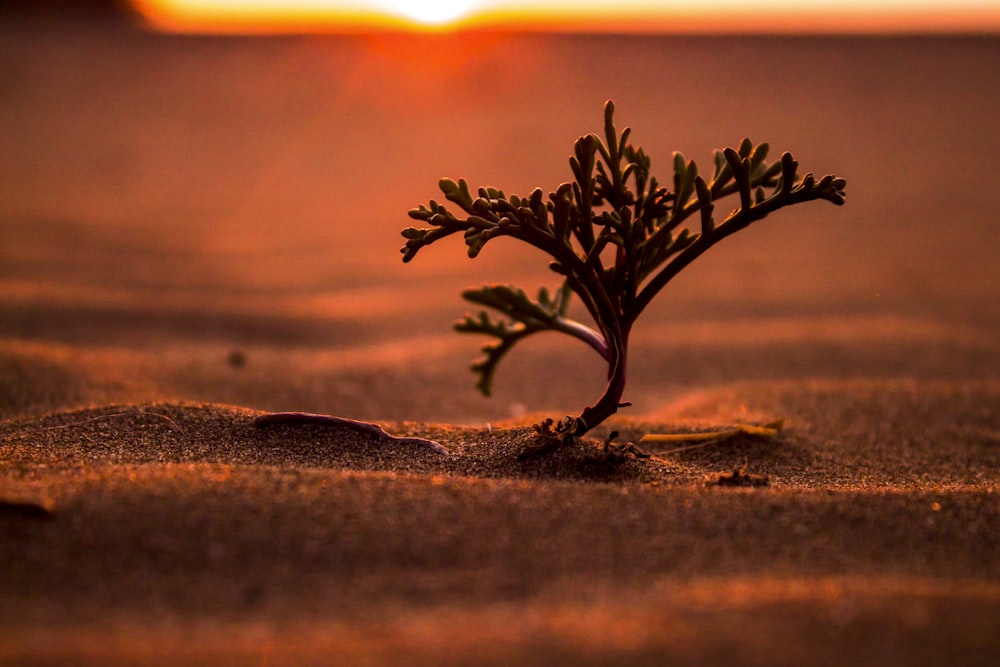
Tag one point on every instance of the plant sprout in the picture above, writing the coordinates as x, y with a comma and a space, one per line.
616, 237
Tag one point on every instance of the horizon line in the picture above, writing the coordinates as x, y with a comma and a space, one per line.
962, 20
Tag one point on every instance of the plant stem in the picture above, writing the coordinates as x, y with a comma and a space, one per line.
611, 399
583, 333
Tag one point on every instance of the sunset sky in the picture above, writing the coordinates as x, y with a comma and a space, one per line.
582, 15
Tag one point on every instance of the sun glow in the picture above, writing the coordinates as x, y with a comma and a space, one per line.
301, 15
432, 12
262, 16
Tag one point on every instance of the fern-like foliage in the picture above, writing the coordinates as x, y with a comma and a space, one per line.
616, 236
527, 317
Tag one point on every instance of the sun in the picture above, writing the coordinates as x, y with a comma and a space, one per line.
292, 15
431, 12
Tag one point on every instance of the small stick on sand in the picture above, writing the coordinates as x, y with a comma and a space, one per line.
711, 437
300, 418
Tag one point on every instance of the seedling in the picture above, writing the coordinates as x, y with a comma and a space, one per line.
616, 238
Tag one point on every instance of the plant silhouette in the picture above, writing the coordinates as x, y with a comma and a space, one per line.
616, 237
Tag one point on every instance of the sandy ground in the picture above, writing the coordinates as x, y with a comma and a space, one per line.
167, 533
190, 275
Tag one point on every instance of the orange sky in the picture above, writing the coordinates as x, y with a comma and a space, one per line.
586, 15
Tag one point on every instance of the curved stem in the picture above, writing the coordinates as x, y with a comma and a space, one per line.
582, 332
659, 281
611, 399
735, 222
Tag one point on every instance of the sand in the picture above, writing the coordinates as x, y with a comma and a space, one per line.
188, 279
174, 533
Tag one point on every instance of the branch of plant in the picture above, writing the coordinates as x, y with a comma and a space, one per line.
583, 219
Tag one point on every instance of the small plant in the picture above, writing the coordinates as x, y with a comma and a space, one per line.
615, 235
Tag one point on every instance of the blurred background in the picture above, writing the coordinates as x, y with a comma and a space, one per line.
216, 217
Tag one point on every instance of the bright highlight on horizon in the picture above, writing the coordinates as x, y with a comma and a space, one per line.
432, 12
270, 16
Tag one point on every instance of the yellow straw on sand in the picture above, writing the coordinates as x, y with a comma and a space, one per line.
765, 431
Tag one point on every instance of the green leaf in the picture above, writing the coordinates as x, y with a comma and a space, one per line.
457, 192
705, 205
740, 166
528, 316
788, 169
685, 174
